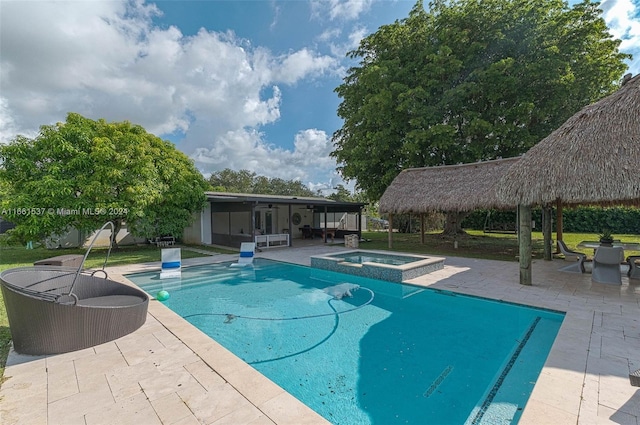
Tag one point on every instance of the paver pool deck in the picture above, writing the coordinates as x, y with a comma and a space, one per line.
168, 372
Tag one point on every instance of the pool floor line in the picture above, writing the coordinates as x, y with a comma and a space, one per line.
505, 371
447, 370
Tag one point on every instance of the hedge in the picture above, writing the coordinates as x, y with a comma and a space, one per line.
622, 220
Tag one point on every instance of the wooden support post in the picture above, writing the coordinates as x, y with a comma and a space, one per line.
253, 221
558, 223
324, 237
524, 211
422, 228
390, 231
290, 242
546, 231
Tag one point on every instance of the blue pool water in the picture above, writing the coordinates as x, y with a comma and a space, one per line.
363, 257
390, 354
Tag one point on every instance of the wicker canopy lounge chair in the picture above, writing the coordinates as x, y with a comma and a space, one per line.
55, 309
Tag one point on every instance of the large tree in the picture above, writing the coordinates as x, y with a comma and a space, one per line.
342, 194
245, 181
469, 80
82, 173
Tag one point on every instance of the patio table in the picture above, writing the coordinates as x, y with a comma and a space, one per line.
627, 246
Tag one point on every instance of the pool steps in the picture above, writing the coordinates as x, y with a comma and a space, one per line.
166, 284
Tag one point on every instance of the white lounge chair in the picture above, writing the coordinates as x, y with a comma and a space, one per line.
577, 258
606, 265
171, 263
247, 250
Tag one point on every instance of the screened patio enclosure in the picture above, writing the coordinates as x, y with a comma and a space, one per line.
273, 221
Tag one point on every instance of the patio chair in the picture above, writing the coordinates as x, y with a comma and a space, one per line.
246, 254
634, 268
577, 258
307, 232
606, 265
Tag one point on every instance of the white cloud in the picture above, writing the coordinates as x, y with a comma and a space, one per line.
329, 34
276, 16
356, 36
340, 9
244, 149
352, 42
7, 123
295, 66
623, 20
312, 146
105, 59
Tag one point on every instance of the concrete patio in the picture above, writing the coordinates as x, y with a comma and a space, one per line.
168, 372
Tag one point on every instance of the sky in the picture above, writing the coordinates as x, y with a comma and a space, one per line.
233, 84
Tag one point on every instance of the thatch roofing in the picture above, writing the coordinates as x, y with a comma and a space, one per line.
462, 187
594, 157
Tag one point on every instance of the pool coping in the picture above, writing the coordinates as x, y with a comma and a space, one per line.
424, 264
584, 379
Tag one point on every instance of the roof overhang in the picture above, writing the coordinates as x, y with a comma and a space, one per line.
314, 203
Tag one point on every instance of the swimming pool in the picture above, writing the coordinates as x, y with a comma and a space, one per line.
393, 354
378, 265
360, 257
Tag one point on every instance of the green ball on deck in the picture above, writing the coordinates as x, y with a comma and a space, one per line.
162, 296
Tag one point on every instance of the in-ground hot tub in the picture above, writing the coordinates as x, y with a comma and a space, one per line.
393, 267
55, 310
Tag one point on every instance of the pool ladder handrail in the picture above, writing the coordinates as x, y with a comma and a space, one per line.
111, 239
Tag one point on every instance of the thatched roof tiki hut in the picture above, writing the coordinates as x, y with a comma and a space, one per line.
593, 158
447, 188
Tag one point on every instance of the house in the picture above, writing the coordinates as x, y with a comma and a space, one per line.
272, 220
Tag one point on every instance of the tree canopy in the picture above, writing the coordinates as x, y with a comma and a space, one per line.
342, 194
245, 181
469, 80
82, 173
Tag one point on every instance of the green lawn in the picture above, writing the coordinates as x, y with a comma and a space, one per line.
477, 244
